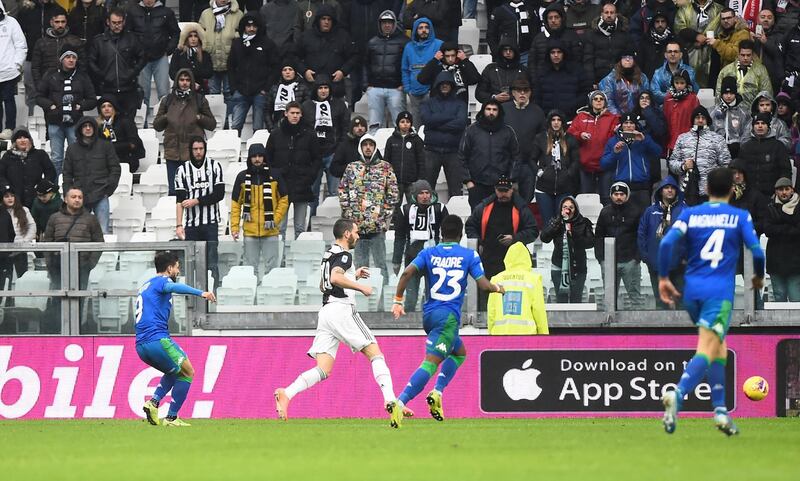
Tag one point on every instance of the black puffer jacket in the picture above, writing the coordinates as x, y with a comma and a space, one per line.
556, 177
384, 58
444, 117
327, 137
156, 26
783, 231
498, 76
601, 52
23, 174
115, 61
362, 22
51, 92
580, 239
93, 166
301, 94
622, 223
34, 19
561, 89
489, 149
346, 152
292, 153
87, 23
47, 51
407, 156
766, 160
572, 44
252, 68
464, 73
325, 52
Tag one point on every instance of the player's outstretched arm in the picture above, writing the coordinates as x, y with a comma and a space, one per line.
402, 283
484, 284
177, 288
338, 279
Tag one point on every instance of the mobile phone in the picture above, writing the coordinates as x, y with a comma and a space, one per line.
628, 136
759, 30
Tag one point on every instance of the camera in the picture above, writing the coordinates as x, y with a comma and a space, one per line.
629, 136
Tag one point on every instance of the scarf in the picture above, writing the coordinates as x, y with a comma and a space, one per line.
266, 185
455, 69
666, 219
678, 94
284, 95
191, 53
556, 152
67, 100
22, 154
566, 278
219, 15
790, 205
107, 130
421, 221
323, 121
702, 14
607, 29
738, 190
182, 94
246, 39
522, 15
659, 38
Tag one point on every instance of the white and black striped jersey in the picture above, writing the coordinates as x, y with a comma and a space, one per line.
197, 183
337, 257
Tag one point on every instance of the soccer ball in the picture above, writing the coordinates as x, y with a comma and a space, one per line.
755, 388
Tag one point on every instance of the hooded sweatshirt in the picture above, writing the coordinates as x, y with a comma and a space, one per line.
444, 117
260, 214
416, 54
521, 309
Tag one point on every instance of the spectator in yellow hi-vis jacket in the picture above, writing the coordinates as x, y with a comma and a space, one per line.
521, 309
259, 202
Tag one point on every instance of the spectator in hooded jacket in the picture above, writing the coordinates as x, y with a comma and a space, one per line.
497, 77
786, 109
580, 16
651, 120
679, 104
383, 62
92, 165
328, 118
64, 95
641, 23
571, 234
183, 114
445, 120
731, 119
416, 54
527, 119
782, 227
23, 166
560, 85
751, 76
361, 19
121, 132
451, 58
766, 158
405, 151
259, 203
47, 52
769, 48
623, 84
746, 197
628, 155
489, 149
326, 48
290, 87
87, 20
347, 150
517, 20
607, 41
656, 220
192, 54
554, 29
220, 22
252, 65
592, 127
556, 156
653, 44
661, 80
765, 103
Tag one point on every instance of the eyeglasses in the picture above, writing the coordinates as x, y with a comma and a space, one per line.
673, 51
595, 99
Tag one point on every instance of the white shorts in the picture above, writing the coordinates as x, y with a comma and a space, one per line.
338, 322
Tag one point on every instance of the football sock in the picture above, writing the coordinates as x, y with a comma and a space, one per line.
448, 370
166, 383
305, 381
418, 381
383, 377
693, 374
716, 377
179, 393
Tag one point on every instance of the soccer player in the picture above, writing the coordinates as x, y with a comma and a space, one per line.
445, 267
339, 322
153, 343
714, 233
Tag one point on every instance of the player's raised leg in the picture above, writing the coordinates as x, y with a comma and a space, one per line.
304, 381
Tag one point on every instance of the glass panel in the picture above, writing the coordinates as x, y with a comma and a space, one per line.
30, 271
578, 291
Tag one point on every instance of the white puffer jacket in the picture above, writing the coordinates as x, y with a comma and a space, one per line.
13, 48
706, 147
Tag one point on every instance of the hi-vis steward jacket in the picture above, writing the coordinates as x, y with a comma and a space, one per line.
521, 309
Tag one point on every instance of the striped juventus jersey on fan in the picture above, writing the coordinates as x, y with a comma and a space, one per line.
337, 257
197, 183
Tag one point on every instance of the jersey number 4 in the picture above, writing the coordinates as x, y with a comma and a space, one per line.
712, 251
452, 277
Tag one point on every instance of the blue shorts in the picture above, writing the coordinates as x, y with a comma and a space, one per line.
441, 325
712, 314
163, 354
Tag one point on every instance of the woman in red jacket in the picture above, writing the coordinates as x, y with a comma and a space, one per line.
679, 104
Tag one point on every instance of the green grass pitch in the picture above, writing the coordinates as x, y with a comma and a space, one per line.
355, 449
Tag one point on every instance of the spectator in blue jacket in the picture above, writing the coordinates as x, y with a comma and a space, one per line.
628, 156
673, 62
623, 84
653, 225
418, 52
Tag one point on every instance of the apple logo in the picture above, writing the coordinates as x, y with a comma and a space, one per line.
521, 383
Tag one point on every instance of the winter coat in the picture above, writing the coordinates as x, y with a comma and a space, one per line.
327, 137
301, 94
127, 143
308, 12
34, 19
622, 223
293, 154
601, 52
504, 21
678, 114
438, 11
87, 23
732, 123
776, 127
254, 227
750, 86
650, 56
766, 160
662, 81
182, 57
498, 76
706, 147
464, 74
552, 179
406, 249
346, 152
48, 49
177, 118
93, 166
561, 89
252, 69
14, 49
368, 193
416, 54
23, 176
406, 153
783, 231
445, 118
523, 283
622, 95
283, 21
771, 55
579, 17
632, 164
384, 59
601, 128
41, 212
699, 58
361, 17
572, 44
157, 28
727, 44
51, 93
648, 237
64, 226
326, 52
642, 21
115, 62
751, 200
579, 240
527, 122
218, 44
29, 234
488, 150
